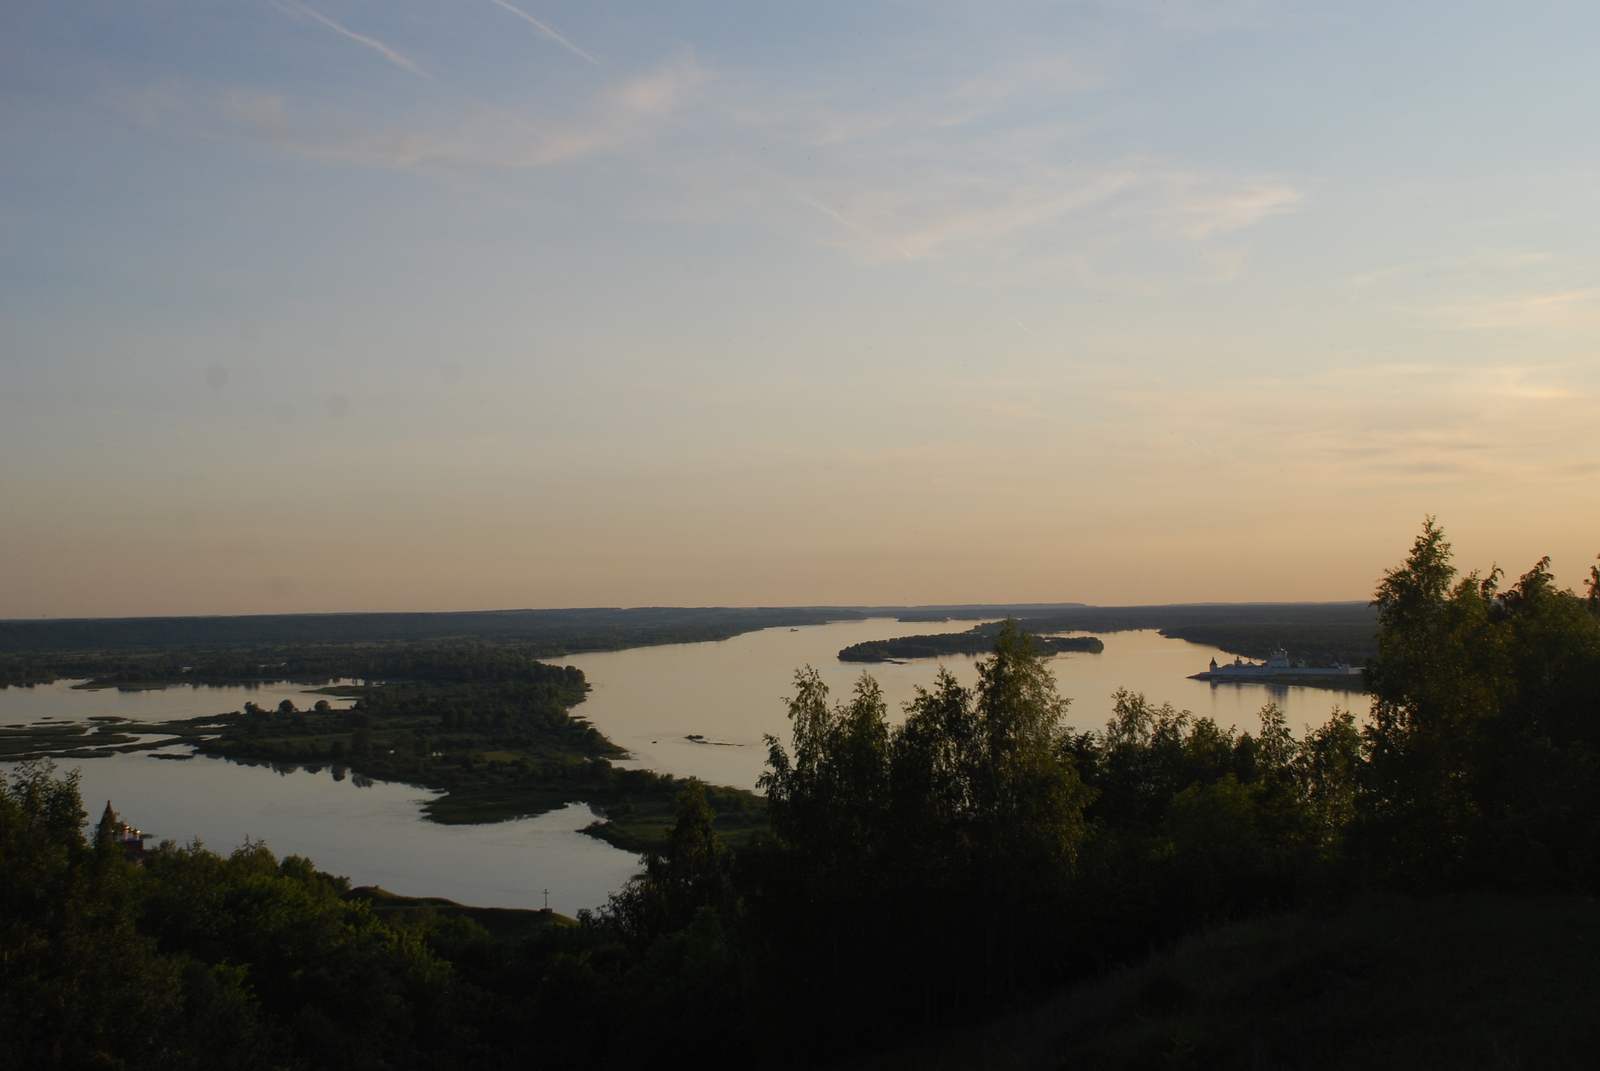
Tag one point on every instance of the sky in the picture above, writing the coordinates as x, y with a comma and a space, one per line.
335, 305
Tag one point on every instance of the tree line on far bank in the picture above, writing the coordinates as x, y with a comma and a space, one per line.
914, 875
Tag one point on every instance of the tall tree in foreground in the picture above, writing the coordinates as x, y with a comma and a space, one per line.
919, 870
1484, 747
817, 884
1028, 800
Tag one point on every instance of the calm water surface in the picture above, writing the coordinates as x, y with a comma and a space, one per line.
649, 700
373, 833
63, 702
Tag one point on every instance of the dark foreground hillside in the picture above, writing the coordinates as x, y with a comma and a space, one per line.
1474, 981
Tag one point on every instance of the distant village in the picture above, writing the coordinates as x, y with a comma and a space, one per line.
1276, 666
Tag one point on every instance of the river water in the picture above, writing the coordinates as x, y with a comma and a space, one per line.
649, 700
372, 833
652, 700
63, 702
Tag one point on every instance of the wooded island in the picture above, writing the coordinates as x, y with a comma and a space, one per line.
975, 641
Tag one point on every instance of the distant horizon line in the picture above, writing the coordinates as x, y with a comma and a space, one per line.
820, 607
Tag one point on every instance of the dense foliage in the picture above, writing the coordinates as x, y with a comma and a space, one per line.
913, 874
979, 850
1484, 753
194, 959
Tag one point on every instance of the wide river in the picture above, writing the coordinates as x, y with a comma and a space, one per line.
697, 709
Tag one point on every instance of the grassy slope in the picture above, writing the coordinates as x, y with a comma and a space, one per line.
506, 923
1482, 981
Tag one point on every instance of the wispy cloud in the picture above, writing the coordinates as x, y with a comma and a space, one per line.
550, 32
856, 228
971, 163
295, 7
914, 201
625, 113
1466, 266
1568, 308
1387, 425
974, 164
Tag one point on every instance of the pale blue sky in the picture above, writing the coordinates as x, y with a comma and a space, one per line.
344, 305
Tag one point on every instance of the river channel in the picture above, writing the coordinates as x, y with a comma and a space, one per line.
698, 709
702, 709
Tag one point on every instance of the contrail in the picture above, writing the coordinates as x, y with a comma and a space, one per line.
820, 207
388, 53
548, 31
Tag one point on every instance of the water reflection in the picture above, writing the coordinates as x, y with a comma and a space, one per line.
372, 832
62, 701
701, 709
